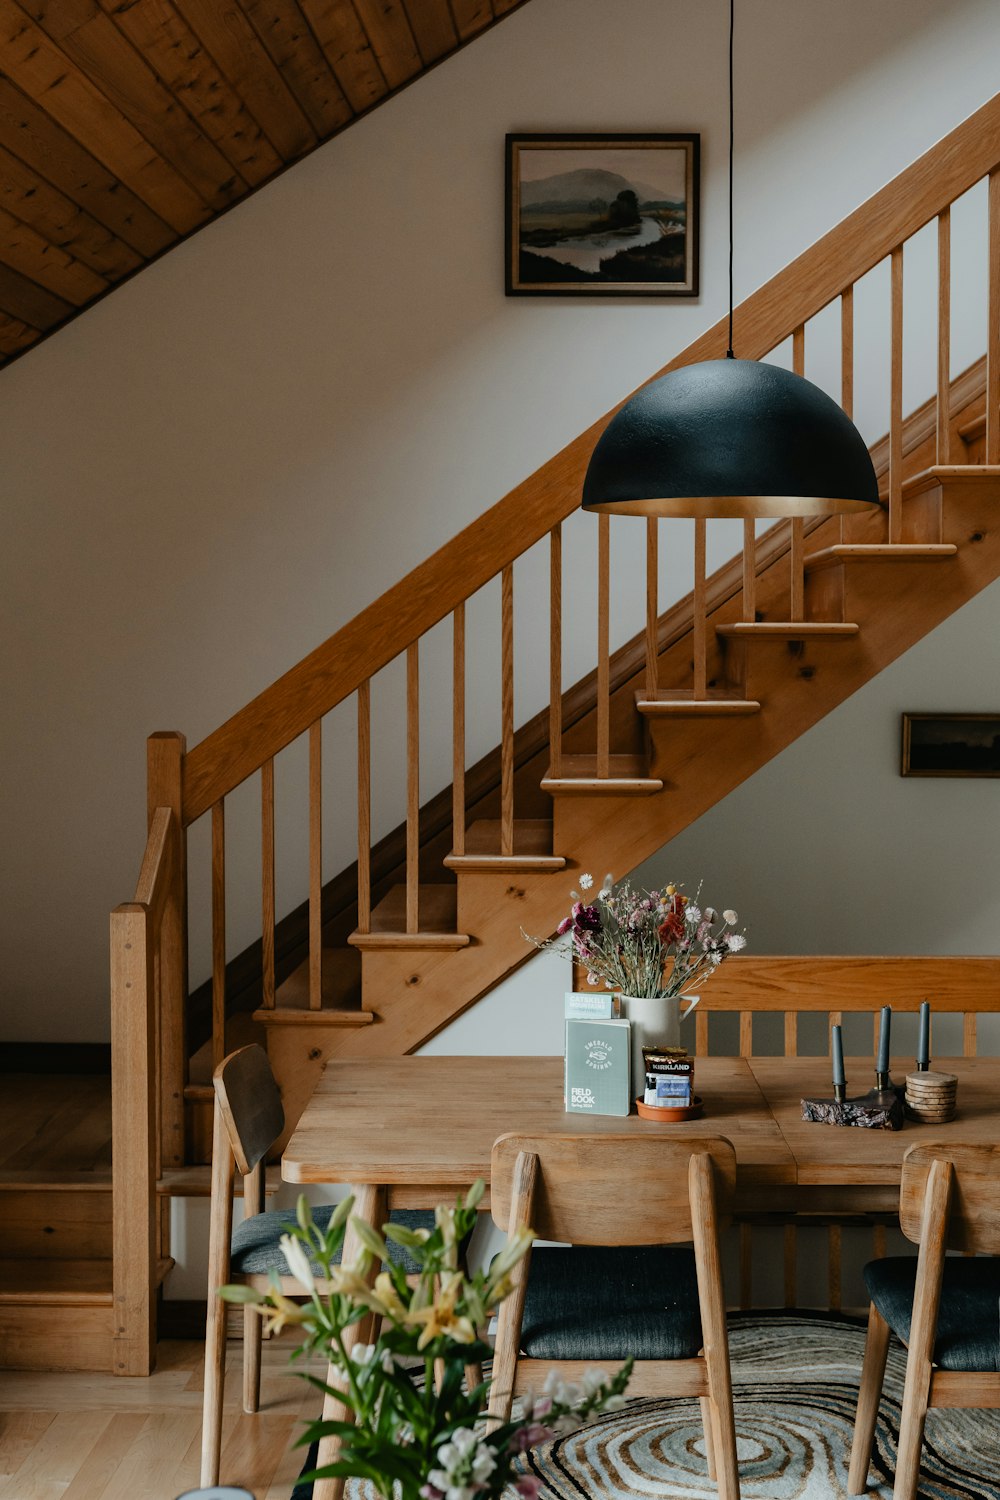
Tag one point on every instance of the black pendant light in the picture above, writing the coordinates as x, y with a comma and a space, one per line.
730, 437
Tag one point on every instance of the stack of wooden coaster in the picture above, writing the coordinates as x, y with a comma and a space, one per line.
930, 1097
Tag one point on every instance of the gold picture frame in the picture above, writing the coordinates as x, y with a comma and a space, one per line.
951, 744
593, 215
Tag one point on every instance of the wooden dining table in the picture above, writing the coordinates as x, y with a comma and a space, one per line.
411, 1132
418, 1129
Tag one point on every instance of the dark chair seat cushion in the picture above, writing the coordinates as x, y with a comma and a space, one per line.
596, 1302
255, 1249
968, 1332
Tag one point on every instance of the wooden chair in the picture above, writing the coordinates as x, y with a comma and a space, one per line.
656, 1301
248, 1120
944, 1310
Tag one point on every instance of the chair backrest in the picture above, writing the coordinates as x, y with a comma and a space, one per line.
974, 1211
609, 1189
249, 1103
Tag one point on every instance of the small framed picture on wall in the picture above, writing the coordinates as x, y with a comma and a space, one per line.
951, 745
602, 215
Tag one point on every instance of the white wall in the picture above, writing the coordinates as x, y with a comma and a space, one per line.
216, 467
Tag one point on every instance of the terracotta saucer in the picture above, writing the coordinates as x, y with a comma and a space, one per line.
668, 1115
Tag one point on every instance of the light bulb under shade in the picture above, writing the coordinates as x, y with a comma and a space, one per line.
730, 437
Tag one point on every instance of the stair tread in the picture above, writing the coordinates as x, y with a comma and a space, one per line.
532, 847
196, 1182
627, 775
437, 917
858, 552
937, 473
682, 703
34, 1179
340, 992
65, 1281
786, 629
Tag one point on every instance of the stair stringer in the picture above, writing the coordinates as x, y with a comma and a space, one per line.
415, 994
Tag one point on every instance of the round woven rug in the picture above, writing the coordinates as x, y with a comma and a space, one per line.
795, 1384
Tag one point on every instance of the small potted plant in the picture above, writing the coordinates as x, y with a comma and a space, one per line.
650, 947
417, 1432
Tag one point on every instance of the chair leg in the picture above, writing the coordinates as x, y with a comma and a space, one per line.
473, 1377
215, 1380
911, 1426
253, 1332
869, 1395
706, 1422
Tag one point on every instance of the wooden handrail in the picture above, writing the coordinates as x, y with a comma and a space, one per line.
152, 887
457, 570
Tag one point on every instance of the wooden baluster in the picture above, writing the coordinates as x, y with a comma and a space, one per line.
993, 326
218, 932
791, 1265
458, 732
507, 711
942, 443
315, 866
797, 525
699, 644
833, 1267
896, 401
791, 1033
555, 650
749, 571
603, 644
969, 1042
412, 788
652, 606
746, 1267
846, 367
267, 883
746, 1033
365, 807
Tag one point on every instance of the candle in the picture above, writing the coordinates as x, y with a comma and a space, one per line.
882, 1065
838, 1057
924, 1045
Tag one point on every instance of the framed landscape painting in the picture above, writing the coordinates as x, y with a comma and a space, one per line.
602, 215
951, 745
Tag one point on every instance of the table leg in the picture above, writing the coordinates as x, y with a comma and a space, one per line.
369, 1205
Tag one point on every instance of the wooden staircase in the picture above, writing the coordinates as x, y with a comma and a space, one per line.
428, 920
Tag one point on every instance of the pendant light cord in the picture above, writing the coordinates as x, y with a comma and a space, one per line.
732, 22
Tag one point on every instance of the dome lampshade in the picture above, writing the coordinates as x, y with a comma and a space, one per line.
730, 437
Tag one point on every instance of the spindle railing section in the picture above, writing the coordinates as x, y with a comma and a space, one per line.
185, 787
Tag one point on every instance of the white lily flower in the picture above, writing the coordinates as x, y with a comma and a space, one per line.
298, 1262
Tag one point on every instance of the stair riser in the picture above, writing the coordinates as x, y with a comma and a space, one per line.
60, 1224
478, 892
41, 1336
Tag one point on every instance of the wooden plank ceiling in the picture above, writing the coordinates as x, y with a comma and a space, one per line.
126, 125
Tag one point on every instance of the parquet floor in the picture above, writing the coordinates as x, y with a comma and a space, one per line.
98, 1437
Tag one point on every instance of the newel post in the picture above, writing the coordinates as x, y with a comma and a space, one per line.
165, 788
133, 1157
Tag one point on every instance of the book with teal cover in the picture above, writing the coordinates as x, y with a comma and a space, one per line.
597, 1067
586, 1005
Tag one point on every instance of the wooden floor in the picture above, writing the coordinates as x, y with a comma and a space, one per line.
97, 1437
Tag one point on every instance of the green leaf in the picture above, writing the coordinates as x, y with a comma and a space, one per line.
239, 1294
303, 1213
